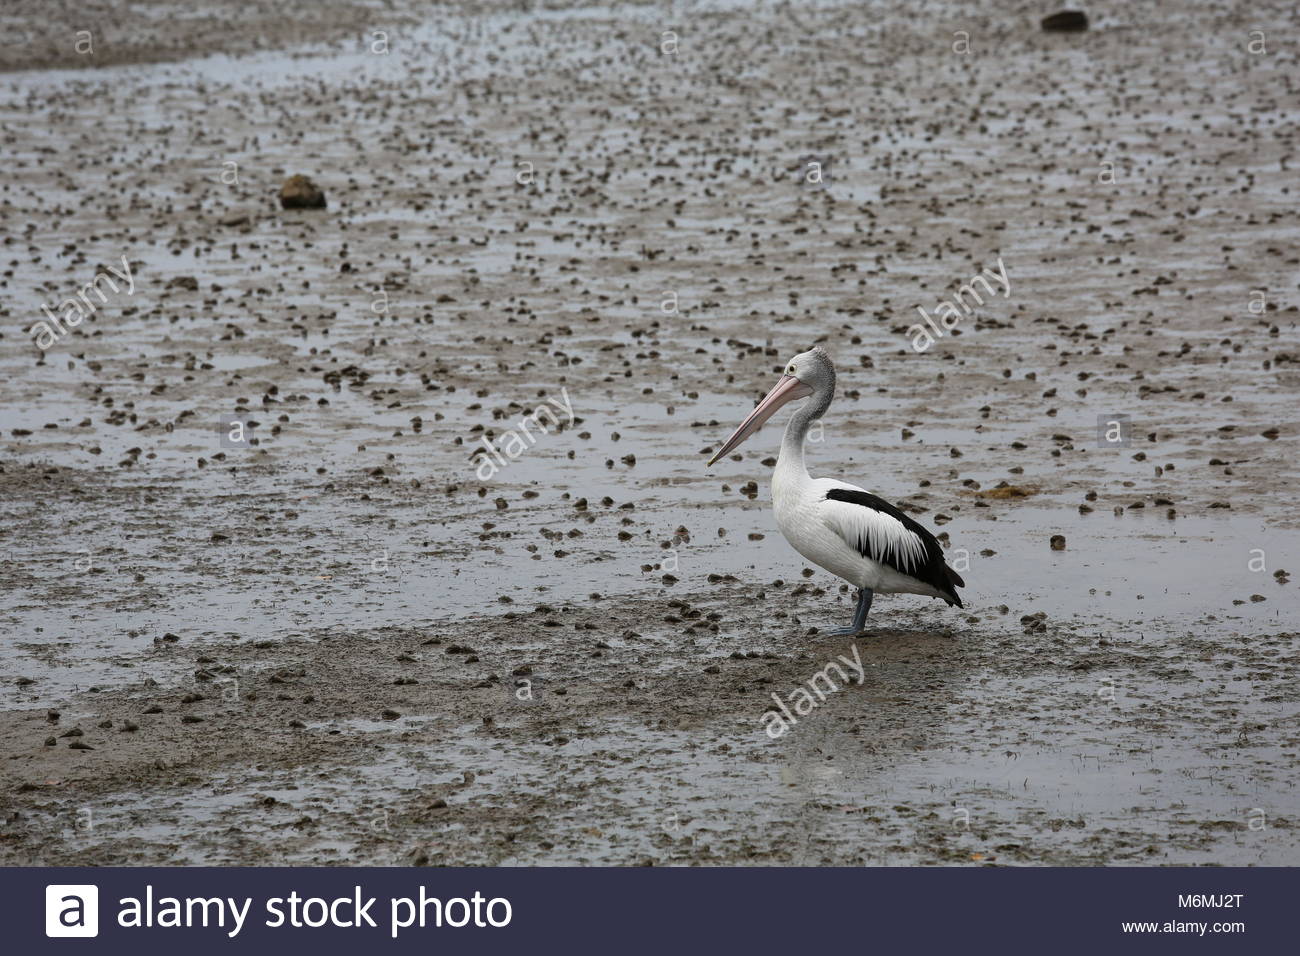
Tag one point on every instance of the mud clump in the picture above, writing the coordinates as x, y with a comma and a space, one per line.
1006, 491
299, 192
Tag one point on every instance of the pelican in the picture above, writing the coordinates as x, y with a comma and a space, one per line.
840, 527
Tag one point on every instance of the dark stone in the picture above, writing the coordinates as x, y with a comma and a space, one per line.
299, 192
1067, 21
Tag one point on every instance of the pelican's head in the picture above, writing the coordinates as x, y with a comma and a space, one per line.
808, 373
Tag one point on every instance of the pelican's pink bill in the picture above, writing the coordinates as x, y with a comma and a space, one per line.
786, 390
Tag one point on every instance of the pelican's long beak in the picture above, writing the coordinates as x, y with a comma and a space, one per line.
786, 390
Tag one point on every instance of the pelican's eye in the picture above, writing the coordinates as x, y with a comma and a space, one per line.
790, 370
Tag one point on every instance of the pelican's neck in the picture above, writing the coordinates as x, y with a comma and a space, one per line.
790, 461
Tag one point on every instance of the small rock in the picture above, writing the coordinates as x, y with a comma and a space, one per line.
1058, 542
299, 192
1066, 21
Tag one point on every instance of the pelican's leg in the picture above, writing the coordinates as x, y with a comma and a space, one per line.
859, 615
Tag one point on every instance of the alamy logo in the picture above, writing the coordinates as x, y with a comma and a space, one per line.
1114, 430
71, 909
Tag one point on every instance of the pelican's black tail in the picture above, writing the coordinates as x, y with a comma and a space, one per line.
954, 582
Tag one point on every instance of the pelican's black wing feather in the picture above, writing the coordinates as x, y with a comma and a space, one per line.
887, 535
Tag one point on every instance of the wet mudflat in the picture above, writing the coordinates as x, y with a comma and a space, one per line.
362, 635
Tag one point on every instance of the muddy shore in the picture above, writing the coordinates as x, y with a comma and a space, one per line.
343, 640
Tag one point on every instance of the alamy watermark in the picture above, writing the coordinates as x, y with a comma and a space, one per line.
777, 720
948, 313
78, 308
513, 443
